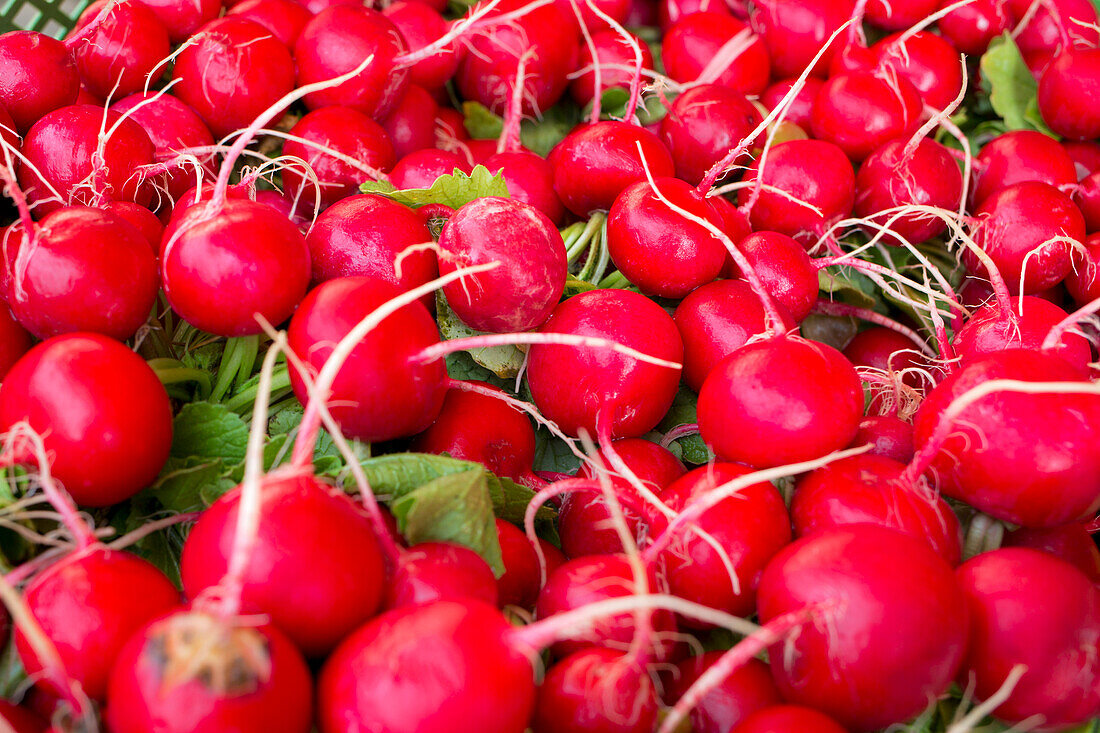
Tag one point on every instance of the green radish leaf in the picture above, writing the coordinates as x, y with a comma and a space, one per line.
613, 101
1011, 86
452, 508
689, 449
576, 286
552, 454
510, 502
211, 431
182, 480
541, 136
455, 190
481, 123
849, 286
12, 675
503, 361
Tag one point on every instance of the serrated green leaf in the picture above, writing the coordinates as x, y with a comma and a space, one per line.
181, 481
455, 190
849, 286
552, 454
481, 123
206, 430
503, 361
1011, 86
510, 502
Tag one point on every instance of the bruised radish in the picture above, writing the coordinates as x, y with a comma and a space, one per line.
37, 76
714, 321
440, 571
191, 671
123, 54
699, 48
860, 112
381, 392
446, 666
520, 293
743, 692
596, 691
703, 124
103, 414
893, 618
788, 719
783, 267
798, 400
577, 387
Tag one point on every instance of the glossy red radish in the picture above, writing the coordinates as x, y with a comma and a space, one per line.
1052, 25
799, 108
584, 520
183, 19
1083, 281
581, 387
794, 31
650, 463
420, 25
1007, 592
22, 719
1066, 92
716, 48
783, 267
105, 415
714, 321
530, 179
284, 18
140, 218
926, 61
596, 691
888, 436
123, 54
615, 58
859, 112
703, 124
970, 28
888, 351
520, 584
1018, 156
798, 399
14, 341
897, 618
897, 16
411, 123
440, 571
788, 719
421, 168
743, 692
522, 292
37, 76
1070, 542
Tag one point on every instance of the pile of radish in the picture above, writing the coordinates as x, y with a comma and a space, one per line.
551, 366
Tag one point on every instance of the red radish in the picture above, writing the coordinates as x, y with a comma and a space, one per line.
123, 54
1070, 542
7, 130
83, 269
220, 270
1038, 467
1085, 156
811, 173
89, 605
140, 218
1018, 156
650, 463
594, 578
284, 18
21, 719
596, 691
870, 488
411, 124
714, 321
750, 528
584, 520
615, 57
14, 341
64, 148
37, 76
345, 131
446, 666
104, 414
860, 112
655, 247
895, 620
784, 268
190, 671
608, 153
172, 127
888, 436
1083, 281
671, 11
703, 124
800, 108
530, 179
716, 48
379, 393
420, 25
183, 19
616, 9
522, 292
901, 173
743, 692
316, 603
887, 350
421, 168
520, 584
989, 331
895, 16
582, 387
971, 27
798, 399
1007, 593
1046, 29
363, 235
1087, 198
926, 61
788, 719
473, 426
1027, 229
794, 31
234, 70
1067, 94
440, 571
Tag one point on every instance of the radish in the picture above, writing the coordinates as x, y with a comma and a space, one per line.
716, 48
530, 179
925, 60
520, 584
1045, 30
81, 153
599, 390
14, 342
598, 691
887, 351
971, 27
608, 152
816, 188
798, 399
411, 124
314, 604
233, 71
522, 292
650, 463
794, 30
346, 131
89, 604
37, 76
783, 267
870, 489
473, 426
584, 520
740, 694
859, 112
1085, 156
1087, 197
107, 419
654, 247
284, 18
888, 436
1083, 281
1018, 156
1067, 91
703, 124
788, 719
363, 235
1006, 592
895, 620
614, 56
1070, 542
421, 168
801, 106
714, 321
440, 571
1039, 468
380, 393
21, 719
670, 11
140, 218
123, 53
82, 269
420, 25
897, 16
183, 19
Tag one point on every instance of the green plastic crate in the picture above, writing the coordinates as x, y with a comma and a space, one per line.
52, 17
